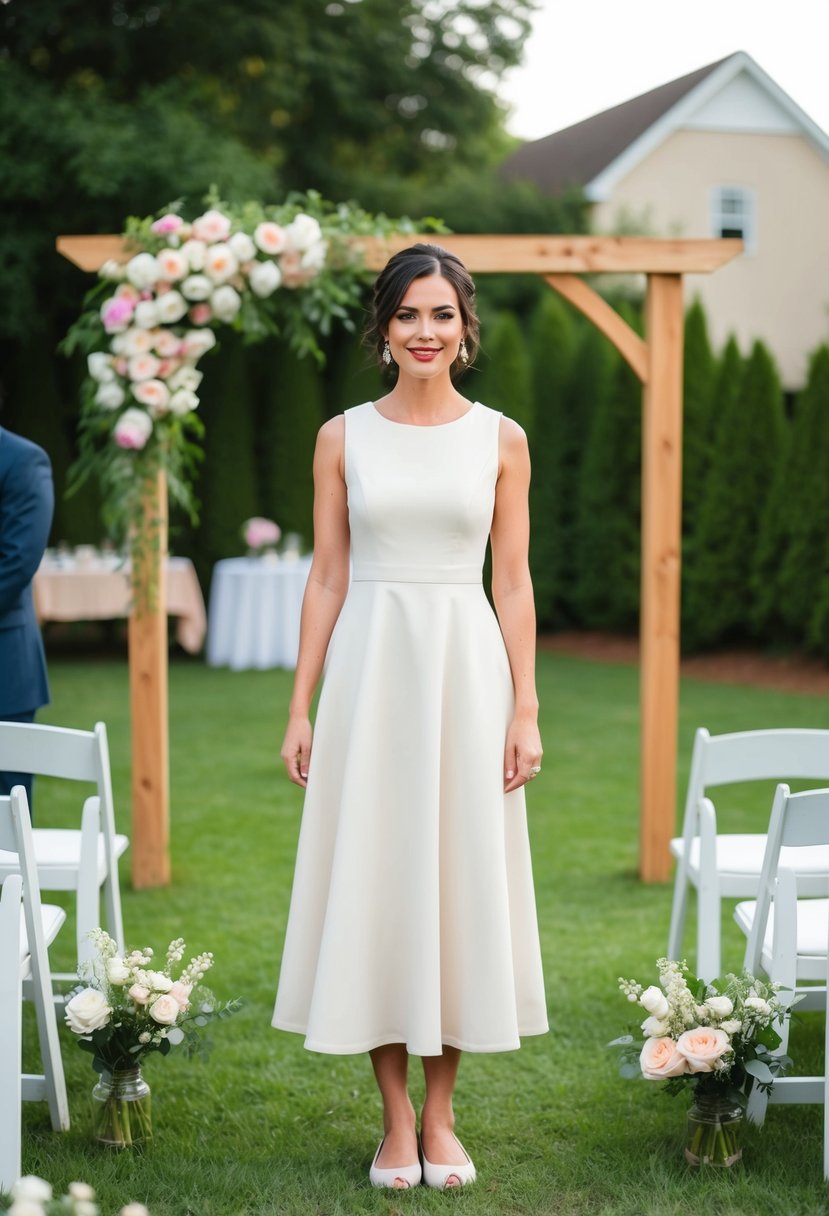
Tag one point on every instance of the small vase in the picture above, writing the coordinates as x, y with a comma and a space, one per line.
714, 1127
121, 1114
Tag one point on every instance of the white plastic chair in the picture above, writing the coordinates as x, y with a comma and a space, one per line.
62, 861
27, 928
788, 937
729, 865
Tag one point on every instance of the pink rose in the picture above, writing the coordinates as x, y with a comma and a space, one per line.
167, 223
212, 226
201, 314
126, 291
166, 367
166, 343
181, 993
165, 1009
143, 367
133, 428
121, 366
660, 1058
139, 994
152, 393
270, 238
702, 1047
258, 532
116, 314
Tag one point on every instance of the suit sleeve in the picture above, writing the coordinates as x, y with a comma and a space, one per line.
27, 500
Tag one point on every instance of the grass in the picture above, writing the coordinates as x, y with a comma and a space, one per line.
262, 1126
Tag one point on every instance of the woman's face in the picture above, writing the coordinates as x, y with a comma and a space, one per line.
426, 329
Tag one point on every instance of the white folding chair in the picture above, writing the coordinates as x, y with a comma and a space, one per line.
788, 937
64, 863
729, 865
26, 931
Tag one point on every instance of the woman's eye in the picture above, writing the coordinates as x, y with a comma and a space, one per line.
405, 316
445, 316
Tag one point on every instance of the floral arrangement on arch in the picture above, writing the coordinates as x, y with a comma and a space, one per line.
148, 323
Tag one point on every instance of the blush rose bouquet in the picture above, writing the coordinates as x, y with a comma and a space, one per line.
260, 534
128, 1008
716, 1038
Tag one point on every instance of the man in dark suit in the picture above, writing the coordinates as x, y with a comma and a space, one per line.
27, 500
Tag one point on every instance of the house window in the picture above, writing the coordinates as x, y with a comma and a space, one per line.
733, 214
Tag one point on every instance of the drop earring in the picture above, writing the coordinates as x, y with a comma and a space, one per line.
387, 354
463, 353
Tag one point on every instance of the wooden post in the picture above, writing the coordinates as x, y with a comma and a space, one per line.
148, 701
661, 541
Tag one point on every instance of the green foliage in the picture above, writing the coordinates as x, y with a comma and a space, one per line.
551, 342
503, 380
699, 378
749, 441
290, 416
607, 529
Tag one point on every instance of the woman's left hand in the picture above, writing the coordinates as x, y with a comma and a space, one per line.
523, 752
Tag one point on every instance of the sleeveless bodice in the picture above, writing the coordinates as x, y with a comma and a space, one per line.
420, 498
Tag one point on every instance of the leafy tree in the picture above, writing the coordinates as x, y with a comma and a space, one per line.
749, 438
504, 380
607, 529
551, 341
699, 374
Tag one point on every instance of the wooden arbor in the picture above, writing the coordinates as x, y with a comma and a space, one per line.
657, 361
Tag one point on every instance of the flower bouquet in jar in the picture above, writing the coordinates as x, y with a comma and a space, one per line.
717, 1038
260, 535
128, 1008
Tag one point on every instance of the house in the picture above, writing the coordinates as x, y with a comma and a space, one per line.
723, 151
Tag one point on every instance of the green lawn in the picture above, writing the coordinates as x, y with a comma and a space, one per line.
263, 1126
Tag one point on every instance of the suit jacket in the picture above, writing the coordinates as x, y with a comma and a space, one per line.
27, 500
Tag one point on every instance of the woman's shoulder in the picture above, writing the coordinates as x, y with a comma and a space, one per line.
510, 432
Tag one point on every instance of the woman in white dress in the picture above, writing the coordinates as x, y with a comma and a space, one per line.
412, 928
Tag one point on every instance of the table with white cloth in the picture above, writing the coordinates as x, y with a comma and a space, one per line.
255, 606
96, 587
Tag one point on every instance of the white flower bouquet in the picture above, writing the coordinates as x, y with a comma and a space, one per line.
717, 1038
32, 1196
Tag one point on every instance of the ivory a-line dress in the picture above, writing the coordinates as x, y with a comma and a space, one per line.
412, 917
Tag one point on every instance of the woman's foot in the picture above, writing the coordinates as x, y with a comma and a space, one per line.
446, 1162
396, 1163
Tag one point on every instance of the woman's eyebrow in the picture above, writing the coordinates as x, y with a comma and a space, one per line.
437, 307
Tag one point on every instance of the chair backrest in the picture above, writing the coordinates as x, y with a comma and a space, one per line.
753, 755
797, 821
16, 837
57, 751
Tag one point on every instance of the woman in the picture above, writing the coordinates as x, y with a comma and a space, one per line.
412, 928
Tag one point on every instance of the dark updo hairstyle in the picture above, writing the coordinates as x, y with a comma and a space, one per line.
391, 285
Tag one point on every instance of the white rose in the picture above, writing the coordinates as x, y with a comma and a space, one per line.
655, 1028
303, 232
87, 1011
196, 287
165, 343
112, 270
194, 251
183, 401
134, 427
732, 1026
32, 1188
116, 344
100, 366
152, 393
134, 1209
26, 1207
136, 341
314, 257
186, 377
146, 314
171, 307
264, 278
270, 237
720, 1006
110, 396
220, 263
212, 226
143, 271
164, 1010
242, 246
758, 1006
117, 971
173, 264
81, 1190
198, 342
653, 999
158, 981
225, 303
83, 1207
143, 367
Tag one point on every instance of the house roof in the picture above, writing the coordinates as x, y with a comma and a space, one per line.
591, 153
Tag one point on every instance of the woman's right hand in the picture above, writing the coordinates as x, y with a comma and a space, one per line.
296, 749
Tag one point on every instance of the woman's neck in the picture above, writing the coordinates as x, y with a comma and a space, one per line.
427, 402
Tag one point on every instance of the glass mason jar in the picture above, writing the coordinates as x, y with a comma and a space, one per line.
714, 1125
121, 1113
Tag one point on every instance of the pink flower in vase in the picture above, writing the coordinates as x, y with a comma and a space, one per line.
201, 314
259, 533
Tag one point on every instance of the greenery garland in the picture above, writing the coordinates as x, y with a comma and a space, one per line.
284, 269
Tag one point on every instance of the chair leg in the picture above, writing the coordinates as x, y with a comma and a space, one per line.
709, 914
11, 1033
88, 895
112, 907
680, 902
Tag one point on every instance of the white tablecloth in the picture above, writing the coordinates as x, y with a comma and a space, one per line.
253, 617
